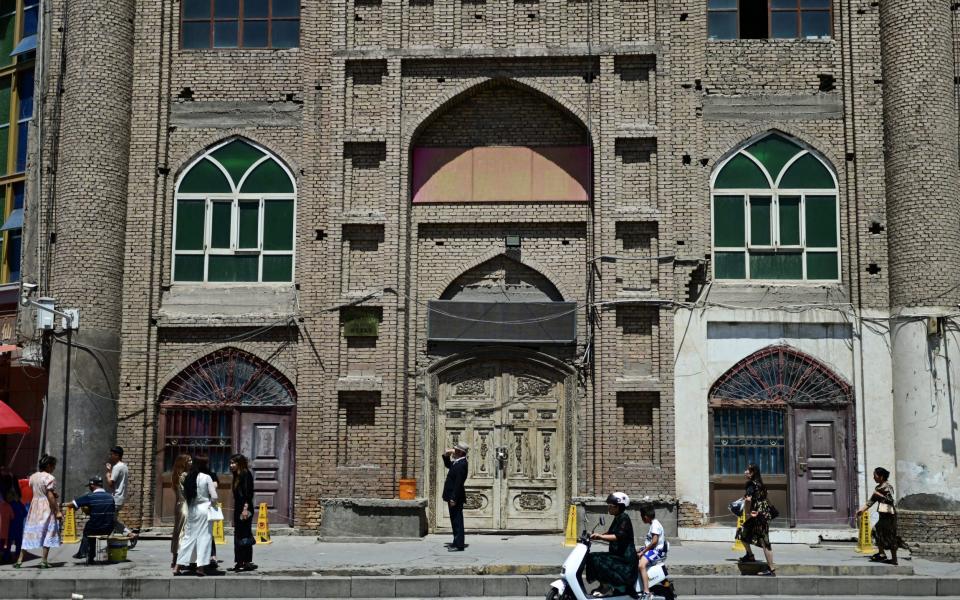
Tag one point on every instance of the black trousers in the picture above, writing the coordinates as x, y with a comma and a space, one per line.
456, 521
87, 546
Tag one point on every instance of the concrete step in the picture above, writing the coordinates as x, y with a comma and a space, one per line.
49, 585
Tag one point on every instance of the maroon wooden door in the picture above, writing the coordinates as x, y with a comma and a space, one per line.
265, 441
821, 467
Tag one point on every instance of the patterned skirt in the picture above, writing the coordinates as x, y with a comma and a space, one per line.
756, 532
885, 531
616, 571
41, 529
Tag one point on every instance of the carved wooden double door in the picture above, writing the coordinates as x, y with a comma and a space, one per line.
511, 415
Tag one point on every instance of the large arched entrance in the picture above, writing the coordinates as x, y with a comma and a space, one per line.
791, 415
511, 407
226, 402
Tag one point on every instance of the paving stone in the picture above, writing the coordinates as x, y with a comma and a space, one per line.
327, 587
99, 588
836, 586
757, 586
877, 586
193, 587
417, 587
454, 586
948, 586
146, 587
717, 586
537, 584
798, 586
917, 586
373, 587
505, 585
237, 587
15, 588
292, 587
51, 588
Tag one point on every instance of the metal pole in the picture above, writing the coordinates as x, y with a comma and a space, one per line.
66, 413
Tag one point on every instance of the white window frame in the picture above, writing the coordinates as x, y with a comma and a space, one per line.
234, 198
774, 192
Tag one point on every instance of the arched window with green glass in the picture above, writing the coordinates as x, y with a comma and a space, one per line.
775, 214
234, 217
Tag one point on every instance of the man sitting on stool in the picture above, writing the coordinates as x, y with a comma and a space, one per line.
99, 506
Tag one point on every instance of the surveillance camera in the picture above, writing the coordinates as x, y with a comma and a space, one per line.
27, 286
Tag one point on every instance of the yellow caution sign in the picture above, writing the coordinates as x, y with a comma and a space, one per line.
69, 527
737, 544
864, 541
263, 527
570, 533
218, 537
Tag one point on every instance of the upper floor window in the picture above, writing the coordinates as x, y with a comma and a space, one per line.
773, 19
18, 44
240, 24
234, 217
775, 214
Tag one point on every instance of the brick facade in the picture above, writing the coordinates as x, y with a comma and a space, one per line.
635, 80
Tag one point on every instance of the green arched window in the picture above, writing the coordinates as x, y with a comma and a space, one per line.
775, 214
234, 217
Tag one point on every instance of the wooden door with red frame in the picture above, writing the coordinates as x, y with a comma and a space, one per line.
821, 467
265, 439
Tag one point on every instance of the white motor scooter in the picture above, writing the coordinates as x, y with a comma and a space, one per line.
570, 585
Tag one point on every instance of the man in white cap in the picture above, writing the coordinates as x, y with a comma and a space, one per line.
454, 494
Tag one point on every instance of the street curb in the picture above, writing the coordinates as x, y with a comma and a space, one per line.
439, 586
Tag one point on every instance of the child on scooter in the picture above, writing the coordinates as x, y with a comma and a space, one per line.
655, 549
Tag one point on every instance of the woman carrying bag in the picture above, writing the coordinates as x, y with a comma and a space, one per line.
200, 492
242, 514
756, 529
885, 534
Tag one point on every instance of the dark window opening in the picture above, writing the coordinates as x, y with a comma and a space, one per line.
769, 19
753, 19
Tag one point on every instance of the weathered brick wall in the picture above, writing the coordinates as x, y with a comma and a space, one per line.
930, 534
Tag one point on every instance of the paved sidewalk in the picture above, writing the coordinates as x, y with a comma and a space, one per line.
303, 556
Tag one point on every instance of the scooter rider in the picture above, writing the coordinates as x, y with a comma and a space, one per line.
617, 568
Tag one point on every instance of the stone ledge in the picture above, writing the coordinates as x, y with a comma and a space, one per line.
211, 305
570, 50
221, 114
766, 108
360, 384
373, 519
375, 502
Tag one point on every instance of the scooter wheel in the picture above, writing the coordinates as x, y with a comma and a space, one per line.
553, 594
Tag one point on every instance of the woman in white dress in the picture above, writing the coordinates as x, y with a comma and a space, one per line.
200, 492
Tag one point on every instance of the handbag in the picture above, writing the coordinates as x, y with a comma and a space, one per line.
736, 507
214, 513
247, 541
772, 512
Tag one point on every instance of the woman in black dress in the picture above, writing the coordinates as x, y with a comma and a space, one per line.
756, 529
617, 568
242, 513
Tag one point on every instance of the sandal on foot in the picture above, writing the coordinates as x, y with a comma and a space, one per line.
44, 565
891, 562
747, 558
768, 573
878, 558
17, 565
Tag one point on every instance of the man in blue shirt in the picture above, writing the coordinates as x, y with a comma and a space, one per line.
100, 508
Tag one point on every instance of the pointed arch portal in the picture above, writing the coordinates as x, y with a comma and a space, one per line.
790, 414
226, 402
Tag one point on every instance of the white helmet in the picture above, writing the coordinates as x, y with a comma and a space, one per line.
619, 498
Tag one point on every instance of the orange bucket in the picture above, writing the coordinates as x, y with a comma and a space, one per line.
408, 489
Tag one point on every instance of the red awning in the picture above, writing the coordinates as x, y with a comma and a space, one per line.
10, 422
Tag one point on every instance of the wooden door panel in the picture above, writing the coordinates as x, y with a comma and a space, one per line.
265, 440
821, 467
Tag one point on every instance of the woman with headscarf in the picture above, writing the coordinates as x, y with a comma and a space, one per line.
885, 531
200, 492
616, 569
756, 529
242, 513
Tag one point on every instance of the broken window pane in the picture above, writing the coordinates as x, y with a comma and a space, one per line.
753, 19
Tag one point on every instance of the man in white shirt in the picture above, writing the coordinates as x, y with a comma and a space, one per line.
655, 549
117, 478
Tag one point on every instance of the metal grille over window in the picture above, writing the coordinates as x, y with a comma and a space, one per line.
780, 376
743, 436
234, 217
229, 378
775, 214
198, 433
